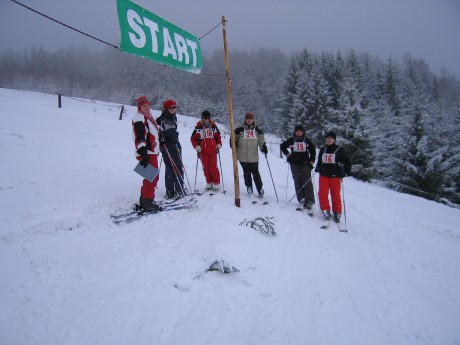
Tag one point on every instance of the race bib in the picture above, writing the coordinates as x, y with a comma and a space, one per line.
299, 147
328, 158
249, 134
206, 133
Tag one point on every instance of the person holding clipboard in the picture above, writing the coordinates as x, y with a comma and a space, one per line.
146, 142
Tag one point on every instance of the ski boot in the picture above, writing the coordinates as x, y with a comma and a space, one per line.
148, 205
337, 217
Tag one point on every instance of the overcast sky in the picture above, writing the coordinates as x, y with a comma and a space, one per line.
428, 29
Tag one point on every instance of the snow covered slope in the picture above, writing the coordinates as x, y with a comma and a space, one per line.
68, 275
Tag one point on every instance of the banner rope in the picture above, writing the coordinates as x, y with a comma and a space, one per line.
67, 26
210, 30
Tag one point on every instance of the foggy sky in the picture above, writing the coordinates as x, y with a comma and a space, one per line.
428, 29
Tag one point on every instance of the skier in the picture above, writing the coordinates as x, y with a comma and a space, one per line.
171, 150
247, 138
145, 134
301, 155
332, 165
207, 142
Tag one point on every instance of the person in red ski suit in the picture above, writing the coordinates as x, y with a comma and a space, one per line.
332, 165
146, 143
206, 140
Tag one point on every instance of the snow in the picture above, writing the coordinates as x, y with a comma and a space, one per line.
71, 276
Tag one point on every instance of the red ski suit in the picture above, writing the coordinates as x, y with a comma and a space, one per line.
207, 137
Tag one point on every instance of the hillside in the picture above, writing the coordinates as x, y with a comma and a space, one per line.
71, 276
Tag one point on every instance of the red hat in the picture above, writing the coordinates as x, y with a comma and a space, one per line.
169, 103
141, 101
249, 115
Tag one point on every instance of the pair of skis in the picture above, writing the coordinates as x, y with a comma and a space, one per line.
326, 223
340, 226
165, 206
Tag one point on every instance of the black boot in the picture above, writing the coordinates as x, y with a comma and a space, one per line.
148, 205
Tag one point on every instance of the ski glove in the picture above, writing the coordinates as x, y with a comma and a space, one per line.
144, 156
198, 148
264, 149
239, 130
142, 151
144, 161
219, 146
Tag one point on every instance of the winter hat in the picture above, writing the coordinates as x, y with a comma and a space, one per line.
169, 103
141, 101
249, 115
205, 114
299, 128
330, 134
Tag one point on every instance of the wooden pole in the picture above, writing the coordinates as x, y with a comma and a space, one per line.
230, 113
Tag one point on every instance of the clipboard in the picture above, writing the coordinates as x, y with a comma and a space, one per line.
149, 172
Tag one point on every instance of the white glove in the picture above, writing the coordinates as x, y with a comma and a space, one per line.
219, 146
198, 148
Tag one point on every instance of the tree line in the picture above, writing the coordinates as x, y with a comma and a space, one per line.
398, 121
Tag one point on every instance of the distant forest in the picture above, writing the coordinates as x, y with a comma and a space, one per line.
398, 121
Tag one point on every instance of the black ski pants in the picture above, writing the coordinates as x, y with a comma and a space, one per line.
304, 190
250, 171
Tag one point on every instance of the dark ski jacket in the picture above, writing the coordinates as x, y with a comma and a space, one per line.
333, 162
302, 150
168, 132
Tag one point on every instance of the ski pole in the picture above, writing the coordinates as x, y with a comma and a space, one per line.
301, 188
316, 195
270, 170
177, 173
287, 180
185, 170
344, 206
196, 173
221, 173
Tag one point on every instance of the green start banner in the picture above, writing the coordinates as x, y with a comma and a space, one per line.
145, 34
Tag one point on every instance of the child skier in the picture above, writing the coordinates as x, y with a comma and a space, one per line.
301, 158
332, 165
206, 140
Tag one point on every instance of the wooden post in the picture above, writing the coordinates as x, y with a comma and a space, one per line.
59, 100
230, 113
121, 112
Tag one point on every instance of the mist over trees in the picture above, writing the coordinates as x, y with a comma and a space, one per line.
398, 121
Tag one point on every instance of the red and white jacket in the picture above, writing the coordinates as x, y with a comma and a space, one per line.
208, 137
145, 133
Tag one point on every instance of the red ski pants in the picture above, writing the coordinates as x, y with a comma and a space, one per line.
148, 188
332, 185
211, 172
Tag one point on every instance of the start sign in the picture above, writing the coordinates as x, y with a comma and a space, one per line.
145, 34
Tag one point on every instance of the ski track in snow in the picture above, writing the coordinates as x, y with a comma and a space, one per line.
71, 276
